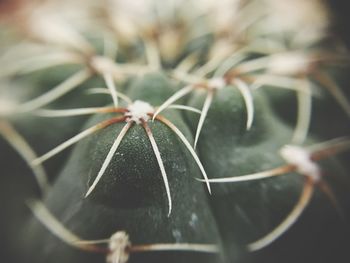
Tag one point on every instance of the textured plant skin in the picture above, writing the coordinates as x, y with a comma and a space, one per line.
130, 196
155, 184
255, 151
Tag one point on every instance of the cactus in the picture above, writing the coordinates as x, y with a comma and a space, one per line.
173, 131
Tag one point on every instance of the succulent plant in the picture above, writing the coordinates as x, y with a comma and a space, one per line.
173, 131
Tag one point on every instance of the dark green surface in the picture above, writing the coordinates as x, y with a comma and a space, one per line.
131, 194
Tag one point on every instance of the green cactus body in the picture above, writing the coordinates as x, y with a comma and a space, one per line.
131, 195
240, 152
172, 132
